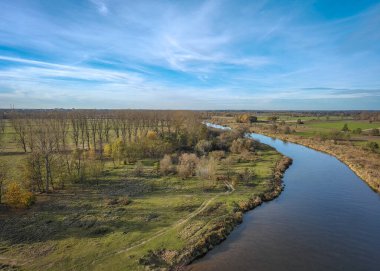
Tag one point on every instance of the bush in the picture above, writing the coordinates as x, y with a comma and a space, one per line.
206, 169
118, 201
247, 175
107, 150
124, 200
16, 196
203, 147
345, 128
187, 165
272, 118
245, 155
101, 230
335, 136
287, 130
373, 146
246, 118
217, 155
139, 169
151, 135
374, 132
166, 165
242, 144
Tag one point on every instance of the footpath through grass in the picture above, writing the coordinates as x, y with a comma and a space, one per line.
114, 225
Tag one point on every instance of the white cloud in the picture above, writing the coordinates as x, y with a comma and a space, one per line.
100, 6
212, 53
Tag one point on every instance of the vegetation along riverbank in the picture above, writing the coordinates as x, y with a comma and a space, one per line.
124, 189
353, 137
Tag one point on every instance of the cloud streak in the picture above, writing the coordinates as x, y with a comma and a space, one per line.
206, 54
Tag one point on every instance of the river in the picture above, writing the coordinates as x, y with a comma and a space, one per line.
327, 218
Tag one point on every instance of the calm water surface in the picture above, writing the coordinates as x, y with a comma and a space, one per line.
327, 218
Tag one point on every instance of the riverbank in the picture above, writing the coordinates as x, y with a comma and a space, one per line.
364, 163
324, 203
219, 231
137, 222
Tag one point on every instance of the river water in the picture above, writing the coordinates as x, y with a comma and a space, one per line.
327, 218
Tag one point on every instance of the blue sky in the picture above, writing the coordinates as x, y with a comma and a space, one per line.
190, 54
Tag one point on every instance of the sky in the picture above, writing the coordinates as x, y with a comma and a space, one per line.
188, 54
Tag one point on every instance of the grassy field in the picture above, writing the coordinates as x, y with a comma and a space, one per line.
291, 118
313, 126
338, 125
95, 227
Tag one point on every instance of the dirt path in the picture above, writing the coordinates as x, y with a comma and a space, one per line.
176, 225
180, 222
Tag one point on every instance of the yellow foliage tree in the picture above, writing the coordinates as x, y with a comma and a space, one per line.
18, 197
151, 135
107, 149
117, 148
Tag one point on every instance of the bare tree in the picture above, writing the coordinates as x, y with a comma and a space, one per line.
2, 131
3, 174
19, 124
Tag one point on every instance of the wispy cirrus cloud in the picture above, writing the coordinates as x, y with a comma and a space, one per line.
216, 54
100, 6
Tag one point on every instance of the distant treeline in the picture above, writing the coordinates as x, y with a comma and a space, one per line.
359, 115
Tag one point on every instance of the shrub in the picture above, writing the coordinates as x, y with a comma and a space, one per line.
107, 150
166, 165
206, 169
272, 118
239, 132
246, 118
203, 147
151, 135
118, 201
139, 169
217, 155
242, 144
245, 155
124, 200
374, 132
117, 149
373, 146
335, 136
273, 128
287, 130
16, 196
101, 230
227, 165
247, 175
345, 128
187, 165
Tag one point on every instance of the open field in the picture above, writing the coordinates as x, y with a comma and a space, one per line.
338, 125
